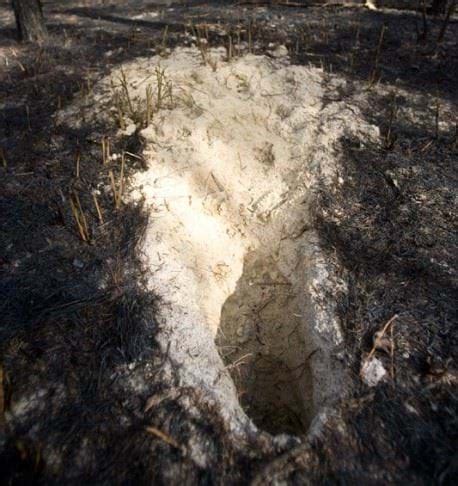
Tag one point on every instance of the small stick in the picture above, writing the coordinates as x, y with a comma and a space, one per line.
424, 34
238, 362
79, 217
164, 37
217, 183
238, 42
103, 150
455, 143
113, 188
134, 155
385, 327
97, 207
389, 141
229, 53
273, 283
392, 353
164, 437
121, 180
2, 156
149, 104
358, 31
426, 147
27, 112
83, 217
78, 158
377, 56
437, 120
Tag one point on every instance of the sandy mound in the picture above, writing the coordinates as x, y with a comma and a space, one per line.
234, 153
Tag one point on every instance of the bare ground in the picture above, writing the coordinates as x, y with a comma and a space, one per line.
75, 313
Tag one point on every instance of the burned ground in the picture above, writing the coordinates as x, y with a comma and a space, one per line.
75, 313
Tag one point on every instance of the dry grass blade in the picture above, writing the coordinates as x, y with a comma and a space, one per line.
79, 217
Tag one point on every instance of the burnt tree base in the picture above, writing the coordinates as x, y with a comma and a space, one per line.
29, 20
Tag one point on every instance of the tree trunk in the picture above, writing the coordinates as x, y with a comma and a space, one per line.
29, 20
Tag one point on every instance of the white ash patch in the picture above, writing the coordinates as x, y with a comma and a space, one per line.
372, 372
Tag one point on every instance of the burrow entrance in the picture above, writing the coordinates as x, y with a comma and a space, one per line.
262, 342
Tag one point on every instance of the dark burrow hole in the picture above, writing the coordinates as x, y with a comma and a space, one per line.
261, 340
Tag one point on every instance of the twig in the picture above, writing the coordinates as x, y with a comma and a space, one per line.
27, 112
229, 50
3, 158
105, 150
280, 4
238, 361
217, 183
373, 76
272, 283
392, 353
383, 331
79, 217
424, 34
121, 179
389, 138
97, 207
426, 147
164, 437
119, 189
113, 188
436, 120
78, 158
164, 37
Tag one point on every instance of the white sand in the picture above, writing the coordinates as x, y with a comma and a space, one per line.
232, 164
